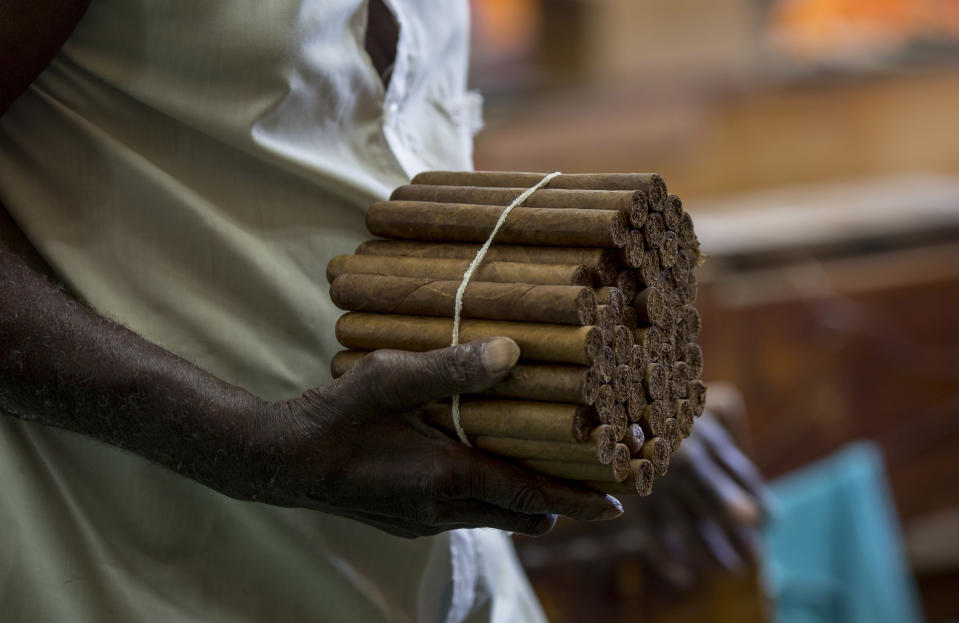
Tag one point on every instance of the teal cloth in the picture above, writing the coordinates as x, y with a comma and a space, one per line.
834, 545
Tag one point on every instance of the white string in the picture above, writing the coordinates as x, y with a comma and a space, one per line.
458, 305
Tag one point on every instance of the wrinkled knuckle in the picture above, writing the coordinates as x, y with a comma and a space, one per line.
529, 498
461, 366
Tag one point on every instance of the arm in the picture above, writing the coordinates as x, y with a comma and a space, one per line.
354, 448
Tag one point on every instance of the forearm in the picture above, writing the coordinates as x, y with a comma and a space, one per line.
64, 365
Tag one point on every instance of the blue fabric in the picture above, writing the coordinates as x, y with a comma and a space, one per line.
835, 552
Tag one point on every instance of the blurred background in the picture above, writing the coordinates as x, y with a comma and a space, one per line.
816, 144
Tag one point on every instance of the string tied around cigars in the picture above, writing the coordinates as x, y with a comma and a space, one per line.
458, 301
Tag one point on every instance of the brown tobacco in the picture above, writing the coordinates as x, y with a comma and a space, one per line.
632, 254
636, 404
460, 222
684, 417
693, 356
616, 471
422, 296
673, 212
654, 417
542, 342
696, 393
656, 450
626, 282
601, 263
649, 271
547, 382
630, 318
633, 204
623, 344
652, 307
601, 446
655, 381
654, 231
688, 326
621, 382
446, 269
651, 183
519, 419
639, 481
634, 438
669, 252
612, 296
673, 434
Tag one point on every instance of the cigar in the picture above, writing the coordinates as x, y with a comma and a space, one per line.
612, 296
626, 282
601, 263
655, 381
600, 446
605, 405
687, 291
528, 381
681, 376
422, 296
640, 480
605, 364
656, 450
617, 471
623, 344
688, 326
542, 342
639, 361
452, 270
630, 318
673, 212
637, 400
649, 339
607, 319
648, 273
693, 356
687, 235
634, 438
684, 417
519, 419
621, 382
461, 222
620, 419
652, 307
632, 254
651, 183
633, 204
672, 434
669, 252
654, 417
696, 393
654, 232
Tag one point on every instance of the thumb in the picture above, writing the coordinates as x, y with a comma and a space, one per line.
399, 380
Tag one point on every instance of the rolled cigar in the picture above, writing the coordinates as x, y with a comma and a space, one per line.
648, 273
629, 318
607, 319
547, 382
620, 419
693, 356
688, 291
633, 204
649, 339
666, 355
462, 222
639, 361
621, 382
612, 296
687, 235
682, 266
652, 307
634, 438
654, 417
684, 417
623, 344
605, 364
697, 396
673, 212
640, 480
423, 296
669, 252
543, 342
681, 376
654, 231
636, 404
655, 381
673, 434
601, 263
632, 254
626, 282
614, 472
688, 326
652, 183
605, 405
452, 270
600, 446
518, 419
656, 450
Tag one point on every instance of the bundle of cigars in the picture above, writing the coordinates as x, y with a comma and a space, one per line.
592, 276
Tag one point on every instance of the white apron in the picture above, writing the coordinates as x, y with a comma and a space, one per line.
189, 167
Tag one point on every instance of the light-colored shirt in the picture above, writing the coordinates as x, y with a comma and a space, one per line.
189, 168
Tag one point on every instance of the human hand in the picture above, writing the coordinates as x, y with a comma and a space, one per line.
358, 449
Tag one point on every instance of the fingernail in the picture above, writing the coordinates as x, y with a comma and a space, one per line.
499, 355
613, 508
